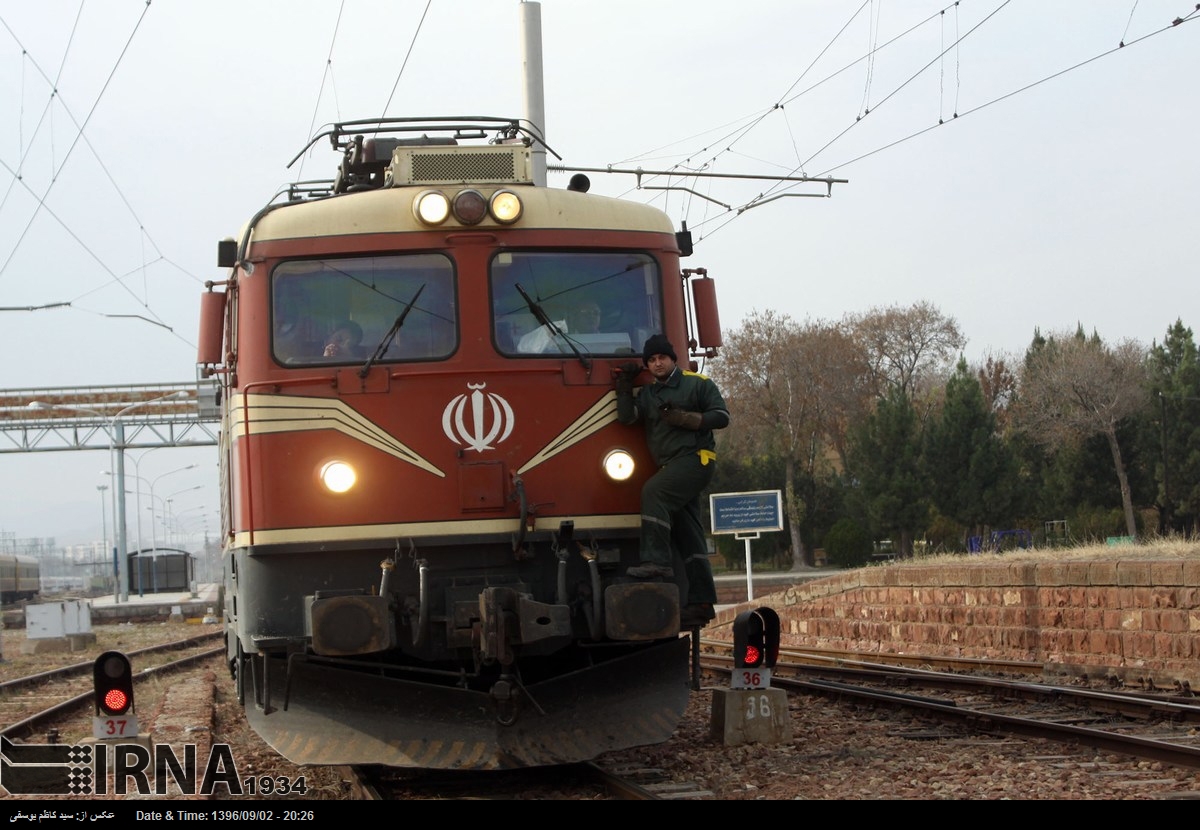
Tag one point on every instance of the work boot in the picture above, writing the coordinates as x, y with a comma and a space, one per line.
648, 570
696, 615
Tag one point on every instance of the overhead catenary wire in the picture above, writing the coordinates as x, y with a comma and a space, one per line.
147, 259
913, 77
714, 155
873, 36
1176, 22
328, 74
711, 225
26, 57
732, 138
79, 129
748, 122
1129, 22
407, 55
119, 280
42, 198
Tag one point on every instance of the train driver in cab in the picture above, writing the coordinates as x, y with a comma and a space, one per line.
345, 341
582, 318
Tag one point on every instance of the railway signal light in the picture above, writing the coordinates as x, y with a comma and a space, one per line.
755, 648
113, 685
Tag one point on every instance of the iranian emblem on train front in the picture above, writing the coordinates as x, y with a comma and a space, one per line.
477, 419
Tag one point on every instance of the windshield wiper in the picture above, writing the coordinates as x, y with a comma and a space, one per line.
392, 332
540, 315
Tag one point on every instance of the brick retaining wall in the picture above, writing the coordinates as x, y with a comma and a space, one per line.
1135, 620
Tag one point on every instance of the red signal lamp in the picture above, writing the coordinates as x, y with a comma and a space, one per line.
115, 700
113, 676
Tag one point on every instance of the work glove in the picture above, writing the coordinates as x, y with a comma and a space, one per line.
625, 377
681, 418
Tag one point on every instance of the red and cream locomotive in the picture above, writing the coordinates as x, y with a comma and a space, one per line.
428, 503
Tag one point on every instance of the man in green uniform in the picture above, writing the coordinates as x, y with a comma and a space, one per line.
680, 410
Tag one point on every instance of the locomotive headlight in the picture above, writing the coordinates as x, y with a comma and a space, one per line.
505, 207
618, 465
338, 476
431, 207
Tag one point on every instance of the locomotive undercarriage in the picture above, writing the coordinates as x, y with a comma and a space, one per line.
533, 660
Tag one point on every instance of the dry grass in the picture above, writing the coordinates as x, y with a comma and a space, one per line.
1155, 548
1175, 547
116, 637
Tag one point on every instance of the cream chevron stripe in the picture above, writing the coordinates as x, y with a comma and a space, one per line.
424, 530
279, 413
602, 413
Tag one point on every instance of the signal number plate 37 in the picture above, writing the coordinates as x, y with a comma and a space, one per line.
107, 729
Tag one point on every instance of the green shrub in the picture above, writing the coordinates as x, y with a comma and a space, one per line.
1092, 525
847, 545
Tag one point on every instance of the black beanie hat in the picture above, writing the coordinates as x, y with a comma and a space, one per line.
658, 344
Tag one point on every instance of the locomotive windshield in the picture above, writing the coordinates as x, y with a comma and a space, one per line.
339, 310
604, 303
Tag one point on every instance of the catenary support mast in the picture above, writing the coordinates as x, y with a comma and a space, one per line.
535, 97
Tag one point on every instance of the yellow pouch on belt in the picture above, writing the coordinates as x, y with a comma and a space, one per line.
706, 456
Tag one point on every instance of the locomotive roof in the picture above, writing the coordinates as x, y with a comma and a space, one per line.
389, 211
385, 162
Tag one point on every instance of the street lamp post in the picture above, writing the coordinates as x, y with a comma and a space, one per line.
171, 512
137, 468
153, 536
185, 530
116, 439
182, 529
103, 517
138, 505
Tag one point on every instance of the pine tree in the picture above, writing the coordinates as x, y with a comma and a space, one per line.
886, 463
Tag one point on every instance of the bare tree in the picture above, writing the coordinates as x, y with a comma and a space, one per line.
1073, 387
999, 386
908, 348
793, 390
835, 371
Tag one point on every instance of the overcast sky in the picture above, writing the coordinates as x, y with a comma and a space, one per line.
1008, 162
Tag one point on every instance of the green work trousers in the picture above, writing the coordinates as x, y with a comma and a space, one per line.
671, 522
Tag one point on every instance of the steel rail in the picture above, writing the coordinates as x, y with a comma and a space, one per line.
889, 662
63, 672
987, 722
1132, 704
616, 785
74, 702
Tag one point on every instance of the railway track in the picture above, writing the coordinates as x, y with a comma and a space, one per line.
835, 657
875, 743
31, 702
40, 704
576, 782
1155, 727
82, 668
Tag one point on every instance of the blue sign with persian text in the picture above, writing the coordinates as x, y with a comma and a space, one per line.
754, 512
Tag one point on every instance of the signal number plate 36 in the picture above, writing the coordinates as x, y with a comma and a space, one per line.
758, 678
106, 729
